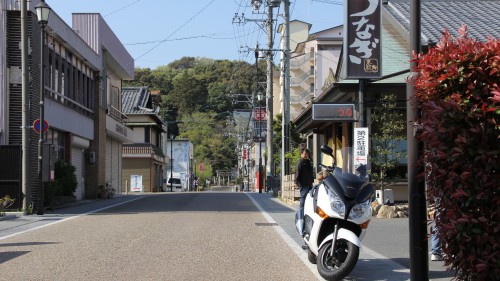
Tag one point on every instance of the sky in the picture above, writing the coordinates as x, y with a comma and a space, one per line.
158, 32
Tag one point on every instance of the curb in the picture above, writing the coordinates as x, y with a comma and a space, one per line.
11, 216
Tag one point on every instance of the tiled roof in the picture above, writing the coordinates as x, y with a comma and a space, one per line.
480, 16
136, 100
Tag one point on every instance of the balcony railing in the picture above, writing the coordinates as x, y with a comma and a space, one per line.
68, 102
299, 62
296, 81
114, 112
298, 98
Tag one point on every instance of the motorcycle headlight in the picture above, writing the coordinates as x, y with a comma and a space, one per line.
337, 205
359, 210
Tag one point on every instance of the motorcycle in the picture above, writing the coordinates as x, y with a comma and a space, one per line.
335, 217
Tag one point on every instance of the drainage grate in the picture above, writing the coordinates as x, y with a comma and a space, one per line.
265, 224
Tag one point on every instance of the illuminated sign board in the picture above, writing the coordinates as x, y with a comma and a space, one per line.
333, 112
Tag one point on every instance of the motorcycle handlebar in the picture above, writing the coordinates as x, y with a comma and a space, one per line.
328, 168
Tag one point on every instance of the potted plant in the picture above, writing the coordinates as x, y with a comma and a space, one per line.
5, 203
106, 191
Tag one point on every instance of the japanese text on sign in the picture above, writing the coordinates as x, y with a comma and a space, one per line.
363, 38
361, 143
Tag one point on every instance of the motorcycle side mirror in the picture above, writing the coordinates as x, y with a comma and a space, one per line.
327, 150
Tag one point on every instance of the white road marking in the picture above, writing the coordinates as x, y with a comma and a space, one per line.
67, 219
288, 240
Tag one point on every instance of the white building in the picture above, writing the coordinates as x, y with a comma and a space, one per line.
313, 61
179, 156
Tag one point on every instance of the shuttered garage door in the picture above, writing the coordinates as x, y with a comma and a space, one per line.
116, 166
113, 163
77, 161
109, 154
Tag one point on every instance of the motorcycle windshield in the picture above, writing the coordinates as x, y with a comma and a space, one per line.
350, 172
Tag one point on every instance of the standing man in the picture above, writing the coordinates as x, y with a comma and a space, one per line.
304, 176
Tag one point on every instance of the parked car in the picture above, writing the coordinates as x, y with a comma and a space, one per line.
174, 183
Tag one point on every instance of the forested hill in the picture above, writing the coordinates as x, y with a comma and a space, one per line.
199, 93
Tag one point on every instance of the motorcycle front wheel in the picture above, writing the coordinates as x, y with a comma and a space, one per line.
342, 262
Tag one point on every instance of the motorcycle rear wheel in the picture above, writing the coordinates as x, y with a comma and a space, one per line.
342, 262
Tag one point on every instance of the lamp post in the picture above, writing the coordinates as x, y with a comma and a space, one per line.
171, 152
259, 97
171, 163
42, 13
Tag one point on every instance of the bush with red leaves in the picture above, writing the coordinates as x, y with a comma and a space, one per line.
458, 90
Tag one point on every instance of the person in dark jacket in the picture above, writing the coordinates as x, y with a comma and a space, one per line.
304, 177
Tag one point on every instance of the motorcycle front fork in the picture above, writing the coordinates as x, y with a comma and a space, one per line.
335, 233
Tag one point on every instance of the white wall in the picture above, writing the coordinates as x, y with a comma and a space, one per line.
139, 135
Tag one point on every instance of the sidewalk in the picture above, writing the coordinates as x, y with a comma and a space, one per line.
15, 223
373, 264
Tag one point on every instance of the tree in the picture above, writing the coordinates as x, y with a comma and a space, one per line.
198, 91
295, 141
458, 89
388, 130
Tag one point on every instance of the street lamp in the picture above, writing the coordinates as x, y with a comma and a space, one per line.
42, 13
256, 4
171, 153
259, 97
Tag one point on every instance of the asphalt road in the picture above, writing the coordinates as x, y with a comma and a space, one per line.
169, 236
186, 236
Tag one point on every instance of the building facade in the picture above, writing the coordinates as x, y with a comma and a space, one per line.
395, 70
75, 89
143, 156
115, 66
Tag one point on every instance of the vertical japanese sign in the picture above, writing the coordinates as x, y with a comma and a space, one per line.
362, 44
361, 146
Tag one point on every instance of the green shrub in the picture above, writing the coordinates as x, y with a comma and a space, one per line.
65, 181
458, 88
5, 203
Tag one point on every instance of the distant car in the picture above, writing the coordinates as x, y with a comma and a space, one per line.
174, 183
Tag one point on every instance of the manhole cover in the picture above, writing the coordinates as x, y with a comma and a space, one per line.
265, 224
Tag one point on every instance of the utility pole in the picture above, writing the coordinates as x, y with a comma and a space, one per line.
419, 262
25, 105
269, 92
285, 126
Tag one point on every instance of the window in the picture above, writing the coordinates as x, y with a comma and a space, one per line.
115, 97
57, 139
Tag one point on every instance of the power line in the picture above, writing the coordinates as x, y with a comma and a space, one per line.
122, 8
187, 38
329, 2
175, 31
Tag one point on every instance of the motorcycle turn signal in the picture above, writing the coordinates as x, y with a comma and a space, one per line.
321, 213
365, 224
